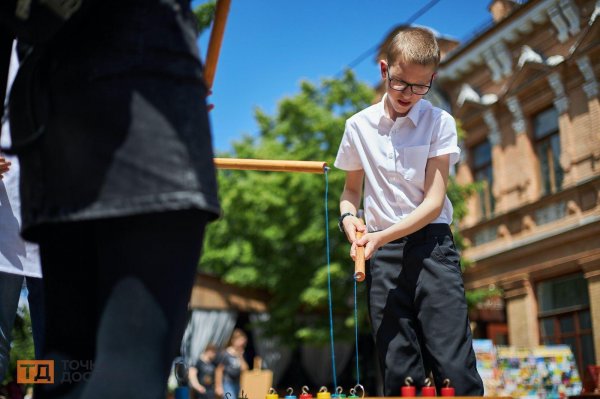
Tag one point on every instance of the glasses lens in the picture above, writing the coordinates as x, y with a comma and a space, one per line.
397, 85
420, 89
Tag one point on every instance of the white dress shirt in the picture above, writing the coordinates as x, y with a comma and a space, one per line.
393, 156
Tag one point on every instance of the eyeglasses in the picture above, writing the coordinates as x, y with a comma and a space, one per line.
400, 85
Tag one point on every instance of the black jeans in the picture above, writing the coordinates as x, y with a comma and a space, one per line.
116, 295
419, 313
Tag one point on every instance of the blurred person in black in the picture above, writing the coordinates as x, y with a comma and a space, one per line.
230, 365
201, 375
109, 120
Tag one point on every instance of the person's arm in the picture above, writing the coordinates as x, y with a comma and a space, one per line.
219, 379
193, 379
436, 179
6, 44
243, 364
350, 203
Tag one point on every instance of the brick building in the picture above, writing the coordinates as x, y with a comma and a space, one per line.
525, 90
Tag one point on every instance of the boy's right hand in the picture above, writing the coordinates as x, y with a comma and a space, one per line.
352, 224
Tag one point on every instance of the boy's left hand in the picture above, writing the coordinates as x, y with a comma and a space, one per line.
371, 241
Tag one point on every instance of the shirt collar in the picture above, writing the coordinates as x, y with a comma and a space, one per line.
385, 123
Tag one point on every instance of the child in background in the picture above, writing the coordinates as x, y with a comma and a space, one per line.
231, 364
202, 375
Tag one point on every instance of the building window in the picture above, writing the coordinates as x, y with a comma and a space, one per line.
487, 234
564, 316
550, 213
482, 172
547, 146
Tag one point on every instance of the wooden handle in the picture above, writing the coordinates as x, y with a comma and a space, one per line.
271, 165
214, 44
359, 263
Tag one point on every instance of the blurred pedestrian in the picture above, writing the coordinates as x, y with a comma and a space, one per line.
231, 363
19, 260
201, 376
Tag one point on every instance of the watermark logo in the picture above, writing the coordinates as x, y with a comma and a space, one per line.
35, 371
74, 371
44, 371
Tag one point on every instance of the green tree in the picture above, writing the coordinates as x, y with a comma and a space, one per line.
458, 195
205, 13
272, 234
22, 342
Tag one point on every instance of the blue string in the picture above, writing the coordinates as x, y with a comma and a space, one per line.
356, 333
326, 169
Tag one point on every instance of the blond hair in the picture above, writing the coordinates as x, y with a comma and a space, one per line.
414, 45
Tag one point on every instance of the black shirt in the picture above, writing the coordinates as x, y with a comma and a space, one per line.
120, 104
206, 378
232, 366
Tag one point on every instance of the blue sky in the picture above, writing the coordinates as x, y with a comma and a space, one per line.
270, 46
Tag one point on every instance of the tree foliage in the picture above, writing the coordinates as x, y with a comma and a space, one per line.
205, 13
273, 231
458, 195
22, 342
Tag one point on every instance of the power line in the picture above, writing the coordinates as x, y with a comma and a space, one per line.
371, 50
422, 11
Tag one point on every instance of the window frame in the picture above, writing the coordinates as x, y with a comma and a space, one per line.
485, 198
549, 183
558, 337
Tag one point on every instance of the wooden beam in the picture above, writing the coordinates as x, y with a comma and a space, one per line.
271, 165
214, 44
211, 293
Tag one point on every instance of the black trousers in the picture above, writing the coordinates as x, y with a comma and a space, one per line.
418, 313
116, 295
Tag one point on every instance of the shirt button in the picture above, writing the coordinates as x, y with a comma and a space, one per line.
390, 155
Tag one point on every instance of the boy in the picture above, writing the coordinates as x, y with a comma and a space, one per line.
402, 148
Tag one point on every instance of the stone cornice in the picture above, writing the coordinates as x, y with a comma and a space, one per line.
454, 67
536, 238
590, 266
516, 287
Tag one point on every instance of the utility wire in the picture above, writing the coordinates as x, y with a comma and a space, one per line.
371, 50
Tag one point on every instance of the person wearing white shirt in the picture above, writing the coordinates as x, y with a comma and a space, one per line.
19, 260
401, 149
109, 120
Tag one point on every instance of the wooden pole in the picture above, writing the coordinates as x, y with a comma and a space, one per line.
216, 38
359, 263
271, 165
